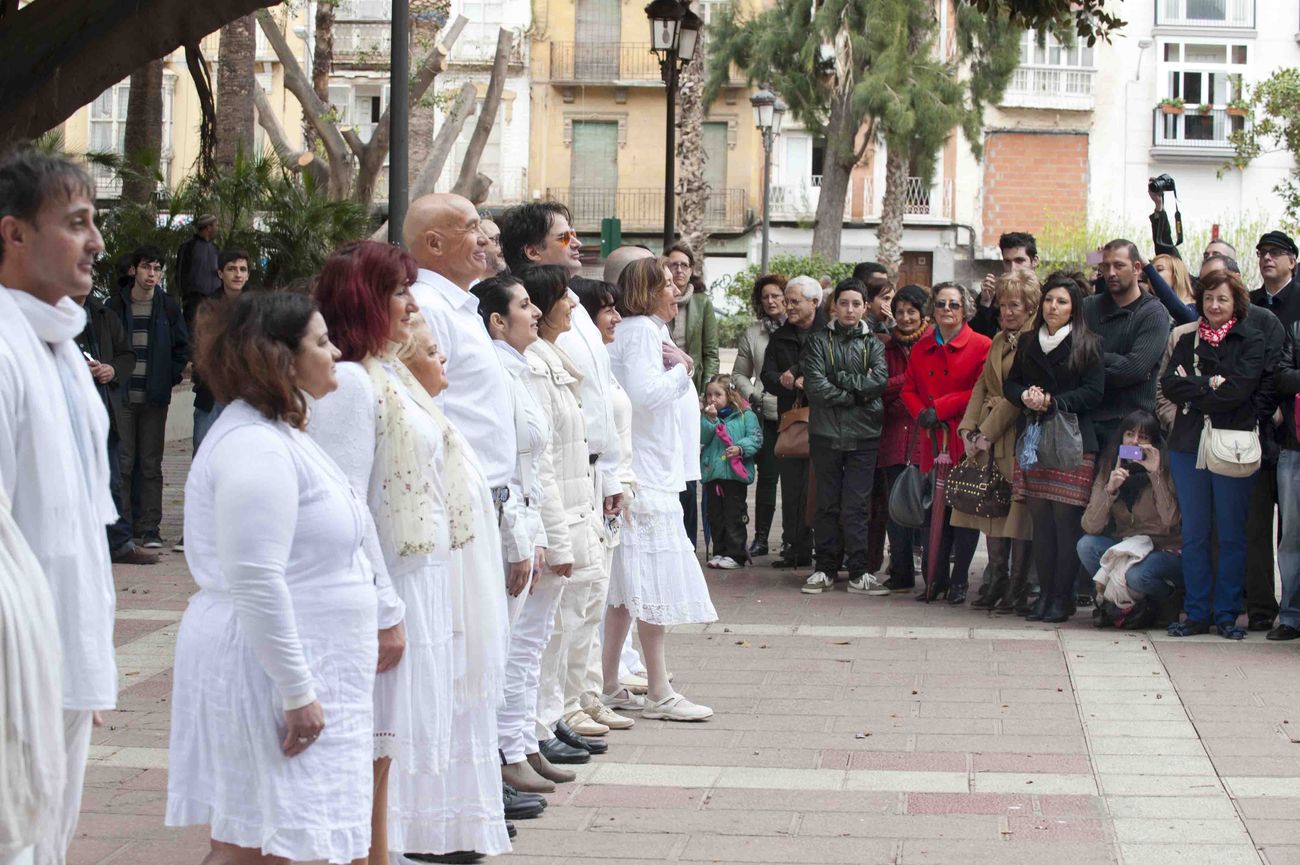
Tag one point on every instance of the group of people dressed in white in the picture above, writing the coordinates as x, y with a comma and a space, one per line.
405, 560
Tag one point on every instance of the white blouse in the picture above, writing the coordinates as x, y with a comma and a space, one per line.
636, 356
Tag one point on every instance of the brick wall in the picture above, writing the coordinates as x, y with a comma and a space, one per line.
1031, 178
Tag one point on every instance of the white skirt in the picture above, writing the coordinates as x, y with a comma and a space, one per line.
225, 764
413, 701
656, 574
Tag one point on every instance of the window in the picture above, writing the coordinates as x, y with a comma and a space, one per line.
107, 133
818, 159
1052, 52
1205, 13
1207, 76
593, 172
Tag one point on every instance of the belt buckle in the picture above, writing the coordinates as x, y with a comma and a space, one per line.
501, 495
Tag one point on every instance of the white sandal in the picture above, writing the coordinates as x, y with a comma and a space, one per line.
675, 707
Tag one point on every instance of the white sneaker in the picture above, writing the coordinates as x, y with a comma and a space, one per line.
819, 582
867, 585
675, 707
712, 562
623, 701
727, 563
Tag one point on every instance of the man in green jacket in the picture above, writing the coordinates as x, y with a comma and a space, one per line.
844, 377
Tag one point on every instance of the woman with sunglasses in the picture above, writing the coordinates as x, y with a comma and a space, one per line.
941, 373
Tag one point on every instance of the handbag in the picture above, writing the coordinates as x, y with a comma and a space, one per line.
978, 490
792, 433
1228, 452
1060, 446
912, 494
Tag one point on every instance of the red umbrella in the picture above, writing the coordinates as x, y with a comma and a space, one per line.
942, 466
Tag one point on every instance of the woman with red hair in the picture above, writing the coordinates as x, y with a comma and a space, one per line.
423, 488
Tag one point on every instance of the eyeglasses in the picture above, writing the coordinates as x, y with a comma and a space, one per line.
947, 304
1271, 252
567, 237
679, 265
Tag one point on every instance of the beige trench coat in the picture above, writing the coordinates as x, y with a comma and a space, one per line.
992, 414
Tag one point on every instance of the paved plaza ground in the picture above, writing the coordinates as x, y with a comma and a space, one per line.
849, 729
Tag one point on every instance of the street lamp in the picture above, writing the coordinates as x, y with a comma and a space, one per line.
674, 37
768, 112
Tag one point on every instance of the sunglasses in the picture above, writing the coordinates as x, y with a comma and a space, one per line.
567, 237
947, 304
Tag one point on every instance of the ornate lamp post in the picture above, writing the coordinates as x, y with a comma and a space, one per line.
674, 36
768, 111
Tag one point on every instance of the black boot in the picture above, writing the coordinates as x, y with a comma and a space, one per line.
993, 591
1057, 610
1016, 599
1035, 613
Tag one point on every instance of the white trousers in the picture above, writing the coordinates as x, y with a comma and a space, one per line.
528, 638
22, 857
53, 848
550, 695
584, 673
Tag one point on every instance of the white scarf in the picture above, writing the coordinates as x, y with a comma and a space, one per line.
1048, 342
32, 752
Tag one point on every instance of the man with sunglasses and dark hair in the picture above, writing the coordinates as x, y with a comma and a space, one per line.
540, 233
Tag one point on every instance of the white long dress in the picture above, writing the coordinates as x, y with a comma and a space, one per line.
285, 614
438, 801
655, 574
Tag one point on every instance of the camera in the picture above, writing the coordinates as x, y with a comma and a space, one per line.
1163, 183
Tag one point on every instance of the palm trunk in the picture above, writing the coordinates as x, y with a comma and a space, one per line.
841, 128
235, 68
692, 188
143, 139
322, 64
890, 232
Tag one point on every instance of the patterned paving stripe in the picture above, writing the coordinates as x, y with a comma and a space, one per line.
1165, 806
869, 631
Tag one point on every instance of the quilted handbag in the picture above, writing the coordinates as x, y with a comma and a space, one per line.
976, 489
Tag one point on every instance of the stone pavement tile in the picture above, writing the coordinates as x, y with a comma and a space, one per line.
1160, 785
973, 826
1171, 807
1069, 806
650, 775
1112, 728
1059, 693
1272, 808
905, 722
1103, 711
1023, 711
127, 629
1017, 727
808, 801
655, 820
738, 677
1273, 746
923, 782
809, 849
1112, 764
943, 852
1022, 762
720, 721
535, 839
149, 779
1275, 831
1140, 747
775, 758
701, 736
780, 779
1189, 854
1243, 766
846, 677
843, 740
968, 803
1168, 830
589, 795
1281, 854
1030, 828
92, 851
1240, 787
147, 803
824, 708
1004, 744
1016, 782
914, 761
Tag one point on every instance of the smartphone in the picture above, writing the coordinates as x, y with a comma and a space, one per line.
1131, 452
1092, 259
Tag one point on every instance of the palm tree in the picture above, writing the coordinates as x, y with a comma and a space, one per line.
142, 141
235, 67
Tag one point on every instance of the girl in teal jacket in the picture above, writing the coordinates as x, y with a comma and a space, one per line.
730, 437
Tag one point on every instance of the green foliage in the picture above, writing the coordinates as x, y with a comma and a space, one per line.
281, 219
1272, 124
1089, 19
735, 289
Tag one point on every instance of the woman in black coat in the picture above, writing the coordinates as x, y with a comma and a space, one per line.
1057, 368
1214, 371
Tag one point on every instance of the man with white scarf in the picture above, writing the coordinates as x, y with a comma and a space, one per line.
54, 446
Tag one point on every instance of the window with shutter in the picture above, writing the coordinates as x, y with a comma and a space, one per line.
597, 36
593, 171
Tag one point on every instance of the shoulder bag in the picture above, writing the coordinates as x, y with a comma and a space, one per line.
978, 490
792, 432
913, 492
1227, 452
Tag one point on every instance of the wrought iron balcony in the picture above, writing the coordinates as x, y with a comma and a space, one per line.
1060, 87
643, 209
1205, 13
1194, 131
611, 63
363, 42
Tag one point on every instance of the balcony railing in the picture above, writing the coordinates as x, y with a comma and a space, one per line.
364, 10
643, 209
617, 61
1205, 13
1050, 87
363, 42
1193, 131
920, 202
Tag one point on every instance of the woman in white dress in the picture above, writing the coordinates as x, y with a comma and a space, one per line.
656, 577
400, 454
276, 655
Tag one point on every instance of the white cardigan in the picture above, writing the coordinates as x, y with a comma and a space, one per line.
658, 452
568, 507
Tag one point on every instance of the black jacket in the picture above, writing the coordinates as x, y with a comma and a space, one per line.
844, 377
106, 341
169, 343
1133, 340
785, 352
1281, 365
1076, 391
1239, 359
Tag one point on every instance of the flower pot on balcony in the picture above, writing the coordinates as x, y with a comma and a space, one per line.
1235, 112
1171, 109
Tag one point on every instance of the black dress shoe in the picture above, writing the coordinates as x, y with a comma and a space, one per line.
789, 561
559, 752
520, 795
1262, 622
1283, 632
462, 857
957, 595
1057, 611
519, 808
570, 737
1036, 610
511, 830
758, 548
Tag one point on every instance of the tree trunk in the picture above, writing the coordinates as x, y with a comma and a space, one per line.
236, 57
143, 137
692, 188
322, 63
423, 117
841, 130
890, 231
466, 182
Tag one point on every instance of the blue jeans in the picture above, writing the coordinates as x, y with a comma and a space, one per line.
1211, 502
1156, 576
119, 533
203, 421
1288, 551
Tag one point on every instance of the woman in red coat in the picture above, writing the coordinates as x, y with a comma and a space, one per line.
941, 372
